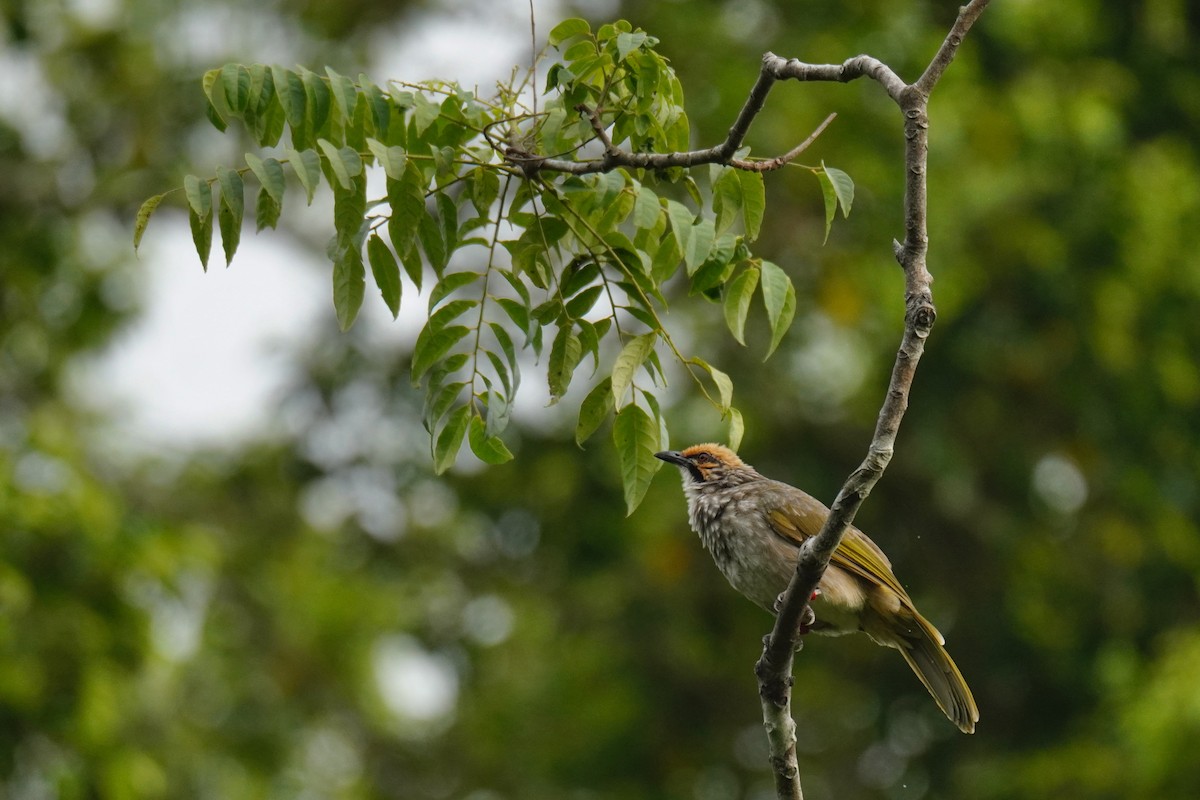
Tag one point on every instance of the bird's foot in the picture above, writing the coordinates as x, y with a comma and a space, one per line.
779, 600
808, 618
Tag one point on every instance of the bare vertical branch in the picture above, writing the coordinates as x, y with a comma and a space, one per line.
774, 668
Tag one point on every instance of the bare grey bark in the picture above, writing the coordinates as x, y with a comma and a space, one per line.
774, 668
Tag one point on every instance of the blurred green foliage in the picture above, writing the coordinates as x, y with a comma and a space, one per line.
319, 617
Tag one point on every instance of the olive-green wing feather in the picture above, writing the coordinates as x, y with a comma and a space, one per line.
856, 554
860, 555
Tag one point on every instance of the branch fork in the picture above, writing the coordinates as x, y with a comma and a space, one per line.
723, 153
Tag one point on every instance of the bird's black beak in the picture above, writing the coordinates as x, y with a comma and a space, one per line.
680, 460
673, 457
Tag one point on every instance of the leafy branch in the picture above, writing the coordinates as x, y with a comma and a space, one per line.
552, 232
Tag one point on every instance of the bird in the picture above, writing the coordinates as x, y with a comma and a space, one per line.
754, 526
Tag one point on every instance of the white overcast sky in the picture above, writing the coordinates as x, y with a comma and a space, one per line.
200, 366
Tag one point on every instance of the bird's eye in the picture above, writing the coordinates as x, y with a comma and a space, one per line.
705, 458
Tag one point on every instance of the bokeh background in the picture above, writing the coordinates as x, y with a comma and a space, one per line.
237, 576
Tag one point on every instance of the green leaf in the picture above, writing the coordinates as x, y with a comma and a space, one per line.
489, 449
738, 295
565, 354
143, 218
726, 198
713, 273
450, 284
578, 275
231, 211
594, 410
381, 110
666, 259
268, 128
656, 413
589, 341
448, 212
289, 88
646, 209
441, 398
720, 379
448, 313
608, 187
843, 186
232, 190
628, 42
345, 162
264, 115
199, 195
425, 112
499, 411
429, 231
270, 175
583, 302
754, 201
583, 59
779, 296
736, 429
445, 449
636, 436
217, 109
568, 29
392, 159
682, 221
345, 96
349, 284
432, 344
406, 196
386, 272
202, 231
484, 188
699, 244
235, 83
414, 267
349, 212
655, 371
627, 362
307, 166
519, 314
501, 368
317, 98
266, 210
510, 352
829, 195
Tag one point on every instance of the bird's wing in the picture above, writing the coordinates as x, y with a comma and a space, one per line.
857, 554
860, 555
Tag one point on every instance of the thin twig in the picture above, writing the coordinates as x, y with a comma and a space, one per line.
593, 115
945, 54
614, 158
777, 162
533, 54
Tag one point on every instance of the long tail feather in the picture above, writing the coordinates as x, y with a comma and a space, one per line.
933, 665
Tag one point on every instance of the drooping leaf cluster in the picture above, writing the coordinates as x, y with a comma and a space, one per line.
514, 254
